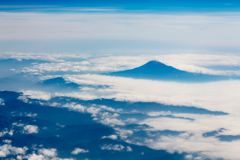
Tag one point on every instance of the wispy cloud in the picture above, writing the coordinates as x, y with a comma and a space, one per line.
220, 29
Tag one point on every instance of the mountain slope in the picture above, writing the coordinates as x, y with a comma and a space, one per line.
159, 71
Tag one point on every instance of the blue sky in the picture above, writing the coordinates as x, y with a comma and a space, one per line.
120, 27
154, 5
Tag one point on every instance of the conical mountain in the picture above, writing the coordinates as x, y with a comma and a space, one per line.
159, 71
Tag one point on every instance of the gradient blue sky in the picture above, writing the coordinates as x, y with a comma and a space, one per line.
159, 5
118, 27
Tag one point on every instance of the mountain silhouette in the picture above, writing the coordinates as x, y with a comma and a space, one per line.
158, 71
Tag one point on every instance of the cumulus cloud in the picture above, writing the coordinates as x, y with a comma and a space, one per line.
29, 129
44, 154
35, 95
79, 150
116, 147
7, 141
113, 137
123, 133
31, 115
112, 122
8, 149
74, 106
129, 149
5, 131
36, 157
93, 111
48, 152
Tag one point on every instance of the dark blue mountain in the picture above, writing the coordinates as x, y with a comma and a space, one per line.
158, 71
60, 84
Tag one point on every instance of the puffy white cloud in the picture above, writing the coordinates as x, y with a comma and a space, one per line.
116, 147
35, 95
111, 137
74, 106
48, 152
79, 150
31, 115
5, 131
23, 98
8, 149
112, 122
44, 154
36, 157
93, 111
29, 129
123, 133
129, 149
18, 124
7, 141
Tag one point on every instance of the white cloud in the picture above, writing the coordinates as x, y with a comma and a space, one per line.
74, 106
5, 131
213, 96
123, 133
189, 157
116, 147
79, 150
193, 62
43, 56
31, 115
7, 141
29, 129
23, 98
1, 101
93, 111
45, 154
48, 152
36, 95
129, 149
8, 149
36, 157
112, 122
187, 142
114, 137
219, 29
159, 113
107, 108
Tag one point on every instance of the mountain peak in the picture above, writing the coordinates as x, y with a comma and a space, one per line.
155, 63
